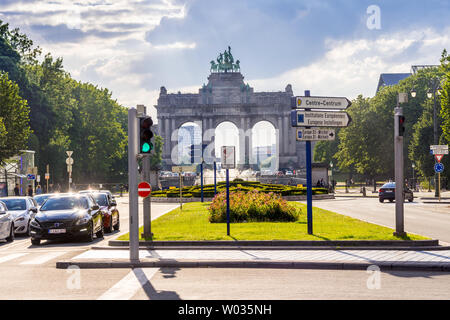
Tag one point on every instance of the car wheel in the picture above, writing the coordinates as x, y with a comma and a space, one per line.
90, 236
28, 229
410, 199
101, 232
391, 200
117, 226
11, 234
381, 200
35, 242
110, 227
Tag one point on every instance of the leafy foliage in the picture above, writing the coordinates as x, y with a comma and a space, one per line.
251, 207
65, 114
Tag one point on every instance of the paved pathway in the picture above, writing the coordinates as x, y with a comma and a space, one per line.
372, 256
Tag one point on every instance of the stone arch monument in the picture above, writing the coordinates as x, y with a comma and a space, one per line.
227, 98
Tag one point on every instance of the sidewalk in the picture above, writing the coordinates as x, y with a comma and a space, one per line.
298, 259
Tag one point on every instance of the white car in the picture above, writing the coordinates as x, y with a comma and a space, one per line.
22, 210
6, 224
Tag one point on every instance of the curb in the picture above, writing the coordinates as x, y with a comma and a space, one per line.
283, 243
155, 263
156, 247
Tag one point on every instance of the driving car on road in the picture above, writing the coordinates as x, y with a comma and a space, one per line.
387, 192
22, 209
6, 224
40, 198
108, 206
67, 216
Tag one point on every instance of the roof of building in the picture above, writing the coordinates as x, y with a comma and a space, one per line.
390, 79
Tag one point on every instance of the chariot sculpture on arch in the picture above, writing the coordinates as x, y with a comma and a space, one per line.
225, 63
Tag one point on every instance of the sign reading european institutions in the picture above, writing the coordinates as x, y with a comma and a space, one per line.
319, 119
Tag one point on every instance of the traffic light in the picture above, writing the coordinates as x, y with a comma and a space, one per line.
145, 135
401, 125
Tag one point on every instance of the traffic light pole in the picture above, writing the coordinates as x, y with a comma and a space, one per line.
399, 179
147, 234
133, 184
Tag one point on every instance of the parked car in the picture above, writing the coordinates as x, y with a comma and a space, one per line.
66, 217
22, 209
289, 173
387, 192
6, 224
108, 206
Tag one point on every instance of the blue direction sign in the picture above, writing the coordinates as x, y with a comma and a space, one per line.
31, 177
438, 167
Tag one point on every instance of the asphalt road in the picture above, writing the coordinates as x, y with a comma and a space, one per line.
28, 272
427, 219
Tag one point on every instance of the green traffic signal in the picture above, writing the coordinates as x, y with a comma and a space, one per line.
145, 135
147, 147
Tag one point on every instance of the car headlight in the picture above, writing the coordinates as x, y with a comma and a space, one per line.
34, 223
82, 220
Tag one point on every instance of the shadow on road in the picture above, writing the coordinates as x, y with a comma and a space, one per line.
151, 292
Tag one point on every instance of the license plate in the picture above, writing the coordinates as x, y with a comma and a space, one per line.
389, 191
57, 231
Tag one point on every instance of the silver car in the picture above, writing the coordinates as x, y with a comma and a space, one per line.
6, 224
22, 209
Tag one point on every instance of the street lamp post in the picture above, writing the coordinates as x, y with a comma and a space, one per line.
331, 176
413, 183
434, 86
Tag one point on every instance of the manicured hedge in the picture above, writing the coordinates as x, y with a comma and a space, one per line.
244, 186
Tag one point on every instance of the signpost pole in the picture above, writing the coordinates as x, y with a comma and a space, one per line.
133, 184
228, 202
181, 191
47, 176
215, 180
309, 182
201, 178
439, 186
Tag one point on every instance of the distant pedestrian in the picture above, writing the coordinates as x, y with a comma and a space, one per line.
38, 189
17, 190
30, 191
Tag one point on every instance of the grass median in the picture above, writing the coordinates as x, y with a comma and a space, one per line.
192, 223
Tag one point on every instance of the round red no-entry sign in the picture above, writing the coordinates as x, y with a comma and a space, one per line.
144, 189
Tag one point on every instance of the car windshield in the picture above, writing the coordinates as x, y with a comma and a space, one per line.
40, 199
389, 185
101, 199
64, 203
15, 204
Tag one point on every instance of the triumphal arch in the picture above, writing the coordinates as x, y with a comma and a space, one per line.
226, 97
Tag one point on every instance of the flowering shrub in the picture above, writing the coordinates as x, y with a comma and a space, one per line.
252, 206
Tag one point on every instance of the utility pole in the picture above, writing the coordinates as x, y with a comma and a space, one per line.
133, 184
399, 120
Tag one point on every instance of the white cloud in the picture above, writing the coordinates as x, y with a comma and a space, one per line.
353, 67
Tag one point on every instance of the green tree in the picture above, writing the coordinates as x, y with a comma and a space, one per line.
156, 156
14, 119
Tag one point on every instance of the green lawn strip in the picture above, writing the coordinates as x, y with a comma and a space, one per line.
192, 224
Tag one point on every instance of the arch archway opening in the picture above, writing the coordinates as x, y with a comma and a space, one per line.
264, 149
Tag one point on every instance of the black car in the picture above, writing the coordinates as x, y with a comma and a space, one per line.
68, 216
387, 192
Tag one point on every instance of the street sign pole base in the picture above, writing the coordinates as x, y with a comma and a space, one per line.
400, 234
147, 236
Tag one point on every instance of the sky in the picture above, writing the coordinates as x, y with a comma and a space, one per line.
333, 48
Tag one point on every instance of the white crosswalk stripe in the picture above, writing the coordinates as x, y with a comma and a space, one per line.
43, 258
126, 288
12, 257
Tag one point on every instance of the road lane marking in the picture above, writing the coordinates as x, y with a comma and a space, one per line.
126, 288
12, 256
43, 258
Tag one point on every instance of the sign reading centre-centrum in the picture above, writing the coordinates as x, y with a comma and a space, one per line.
323, 102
